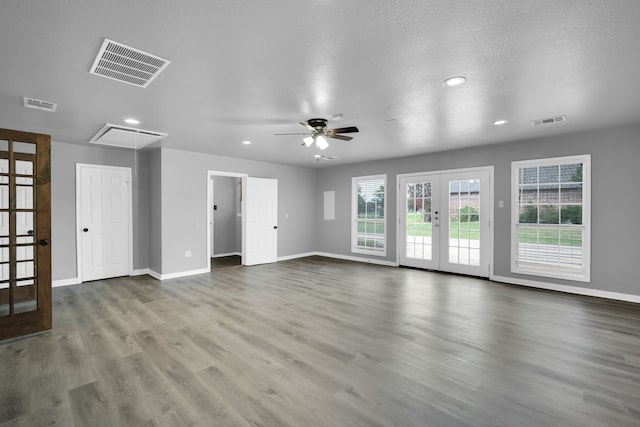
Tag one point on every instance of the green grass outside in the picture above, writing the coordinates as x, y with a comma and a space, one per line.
471, 230
457, 230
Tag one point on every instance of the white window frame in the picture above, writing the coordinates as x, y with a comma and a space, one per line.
354, 216
543, 270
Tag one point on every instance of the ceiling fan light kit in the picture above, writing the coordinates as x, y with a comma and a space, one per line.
318, 133
321, 142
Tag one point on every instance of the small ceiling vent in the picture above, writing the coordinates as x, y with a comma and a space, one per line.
549, 120
126, 64
125, 137
39, 104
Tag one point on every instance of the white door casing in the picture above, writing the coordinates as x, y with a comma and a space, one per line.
435, 232
104, 220
261, 221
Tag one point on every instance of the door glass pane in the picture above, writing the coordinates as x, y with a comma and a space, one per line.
24, 196
24, 167
24, 269
24, 223
464, 222
4, 192
418, 216
4, 299
4, 225
24, 147
25, 296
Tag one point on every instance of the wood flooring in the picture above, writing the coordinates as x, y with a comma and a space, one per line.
323, 342
226, 262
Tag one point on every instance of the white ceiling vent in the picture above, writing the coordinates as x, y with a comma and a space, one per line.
126, 64
39, 104
549, 120
126, 137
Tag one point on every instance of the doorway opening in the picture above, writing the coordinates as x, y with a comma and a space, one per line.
225, 219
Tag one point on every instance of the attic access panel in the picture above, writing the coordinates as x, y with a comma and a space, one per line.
127, 64
125, 137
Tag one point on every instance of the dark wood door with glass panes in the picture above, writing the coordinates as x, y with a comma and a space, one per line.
25, 230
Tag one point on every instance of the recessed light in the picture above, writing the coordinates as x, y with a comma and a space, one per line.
132, 121
246, 142
454, 81
500, 122
337, 116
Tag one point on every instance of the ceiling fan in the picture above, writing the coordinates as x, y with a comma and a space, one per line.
318, 131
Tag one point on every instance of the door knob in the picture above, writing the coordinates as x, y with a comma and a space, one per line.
30, 232
85, 229
44, 242
275, 227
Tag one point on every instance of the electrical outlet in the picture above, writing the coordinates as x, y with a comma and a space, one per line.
187, 254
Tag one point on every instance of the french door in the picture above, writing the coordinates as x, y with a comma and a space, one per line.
25, 228
445, 221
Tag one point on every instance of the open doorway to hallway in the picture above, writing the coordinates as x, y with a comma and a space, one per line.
224, 219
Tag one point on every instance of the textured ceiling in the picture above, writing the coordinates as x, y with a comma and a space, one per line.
244, 70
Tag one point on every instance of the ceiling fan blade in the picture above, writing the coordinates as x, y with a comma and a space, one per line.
342, 137
350, 129
307, 125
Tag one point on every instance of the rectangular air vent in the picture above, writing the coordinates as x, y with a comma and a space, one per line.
126, 64
549, 120
125, 137
39, 104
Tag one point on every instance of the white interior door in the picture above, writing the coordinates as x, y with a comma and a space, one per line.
445, 221
104, 222
261, 221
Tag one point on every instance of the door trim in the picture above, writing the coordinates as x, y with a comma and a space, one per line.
243, 202
400, 207
127, 170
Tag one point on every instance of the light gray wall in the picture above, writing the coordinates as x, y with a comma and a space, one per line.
226, 198
615, 230
155, 210
63, 202
184, 205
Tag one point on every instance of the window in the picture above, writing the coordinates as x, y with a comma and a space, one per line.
551, 217
368, 227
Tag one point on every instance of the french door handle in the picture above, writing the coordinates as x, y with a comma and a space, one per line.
44, 242
275, 227
85, 229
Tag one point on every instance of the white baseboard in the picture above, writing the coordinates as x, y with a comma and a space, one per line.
568, 289
288, 257
358, 259
227, 254
179, 274
66, 282
140, 272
